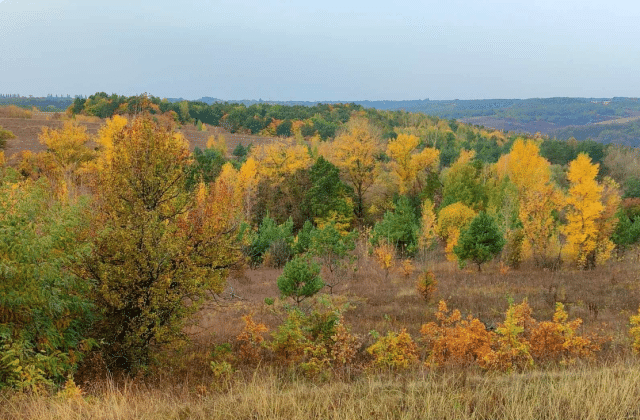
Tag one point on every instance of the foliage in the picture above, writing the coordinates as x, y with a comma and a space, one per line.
300, 279
454, 340
394, 351
269, 233
158, 249
410, 165
462, 182
451, 220
513, 248
427, 285
399, 228
384, 254
328, 198
331, 247
205, 167
4, 136
480, 242
427, 225
251, 339
303, 238
354, 152
44, 310
590, 214
634, 331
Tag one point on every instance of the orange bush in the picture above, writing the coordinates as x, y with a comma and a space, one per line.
454, 340
251, 339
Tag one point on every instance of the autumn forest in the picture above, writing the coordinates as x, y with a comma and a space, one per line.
242, 251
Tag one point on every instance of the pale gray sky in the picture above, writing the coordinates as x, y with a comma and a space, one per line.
322, 50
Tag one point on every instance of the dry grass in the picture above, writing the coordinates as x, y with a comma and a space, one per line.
12, 111
585, 392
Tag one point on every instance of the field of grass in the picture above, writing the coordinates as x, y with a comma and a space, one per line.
607, 387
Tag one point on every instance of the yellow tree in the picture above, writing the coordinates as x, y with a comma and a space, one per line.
67, 149
584, 208
354, 152
427, 225
538, 197
410, 165
451, 221
279, 159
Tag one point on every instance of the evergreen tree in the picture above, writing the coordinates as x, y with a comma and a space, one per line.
480, 242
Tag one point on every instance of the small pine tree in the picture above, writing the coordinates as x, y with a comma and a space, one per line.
300, 279
480, 242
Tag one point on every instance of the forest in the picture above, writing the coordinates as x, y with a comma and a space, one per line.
376, 246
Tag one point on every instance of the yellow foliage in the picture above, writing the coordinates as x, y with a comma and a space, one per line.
218, 143
427, 225
384, 255
634, 331
584, 209
278, 159
451, 221
394, 351
354, 153
408, 164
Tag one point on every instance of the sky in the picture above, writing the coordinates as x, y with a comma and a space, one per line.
297, 50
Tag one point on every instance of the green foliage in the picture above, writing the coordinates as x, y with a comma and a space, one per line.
300, 279
206, 166
328, 196
462, 183
158, 249
627, 231
328, 244
303, 239
284, 129
44, 309
400, 228
268, 233
480, 242
4, 136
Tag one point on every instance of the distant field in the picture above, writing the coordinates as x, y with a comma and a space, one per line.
27, 131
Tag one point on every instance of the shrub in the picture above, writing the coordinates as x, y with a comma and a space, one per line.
454, 340
426, 285
268, 233
251, 340
394, 351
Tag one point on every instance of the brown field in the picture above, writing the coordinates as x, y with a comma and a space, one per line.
27, 130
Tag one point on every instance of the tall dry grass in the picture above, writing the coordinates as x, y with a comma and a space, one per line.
584, 392
12, 111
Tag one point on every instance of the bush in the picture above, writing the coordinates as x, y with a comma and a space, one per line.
394, 351
268, 233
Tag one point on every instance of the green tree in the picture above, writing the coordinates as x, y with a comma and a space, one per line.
269, 233
331, 247
480, 242
205, 167
44, 309
328, 197
300, 279
400, 227
158, 249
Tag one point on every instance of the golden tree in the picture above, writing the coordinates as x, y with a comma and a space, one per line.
410, 165
451, 221
589, 220
354, 153
67, 152
157, 248
537, 195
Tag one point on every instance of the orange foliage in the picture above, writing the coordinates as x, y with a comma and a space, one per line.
251, 339
454, 340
